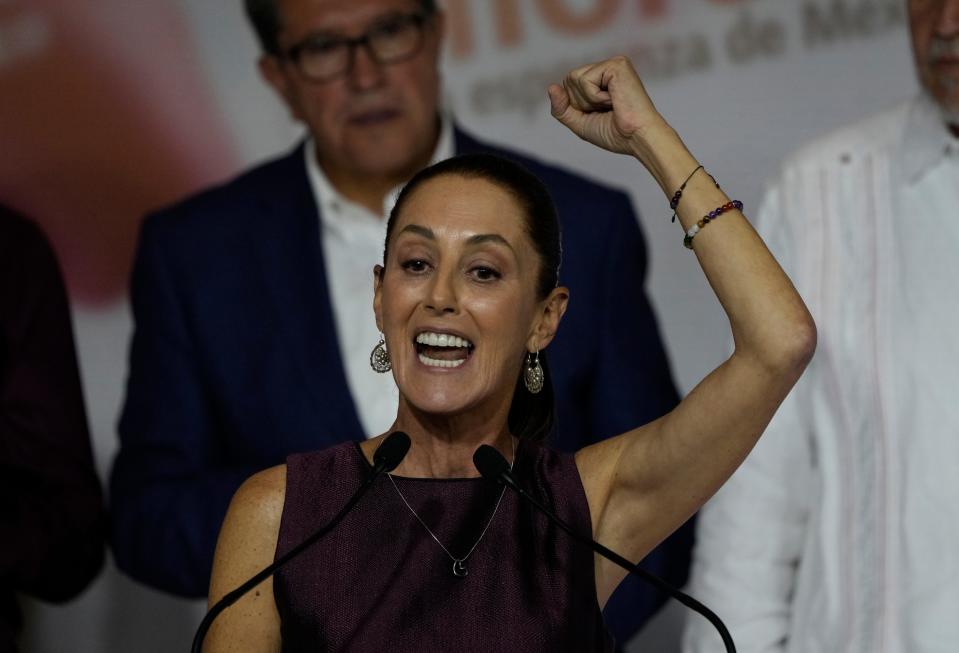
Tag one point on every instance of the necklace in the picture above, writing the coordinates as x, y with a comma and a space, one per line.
459, 564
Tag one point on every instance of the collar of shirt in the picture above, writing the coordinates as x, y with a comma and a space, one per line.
925, 141
348, 219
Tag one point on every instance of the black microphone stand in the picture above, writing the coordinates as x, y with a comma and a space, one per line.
388, 455
487, 461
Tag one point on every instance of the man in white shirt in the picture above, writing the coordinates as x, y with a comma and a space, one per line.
838, 534
253, 300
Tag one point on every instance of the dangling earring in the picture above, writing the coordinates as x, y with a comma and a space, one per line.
533, 373
380, 358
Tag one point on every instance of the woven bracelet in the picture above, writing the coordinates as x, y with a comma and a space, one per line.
678, 195
706, 219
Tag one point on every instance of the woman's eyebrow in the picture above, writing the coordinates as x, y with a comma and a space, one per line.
419, 230
472, 241
479, 239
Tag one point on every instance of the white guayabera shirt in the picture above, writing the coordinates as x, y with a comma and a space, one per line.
352, 238
840, 533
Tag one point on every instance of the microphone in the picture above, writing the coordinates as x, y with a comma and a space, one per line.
385, 459
389, 454
493, 467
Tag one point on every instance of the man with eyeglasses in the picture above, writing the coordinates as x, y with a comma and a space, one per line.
253, 309
838, 534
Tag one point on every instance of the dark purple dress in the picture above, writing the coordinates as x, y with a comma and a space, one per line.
380, 582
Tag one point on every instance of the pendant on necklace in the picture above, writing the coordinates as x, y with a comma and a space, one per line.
459, 568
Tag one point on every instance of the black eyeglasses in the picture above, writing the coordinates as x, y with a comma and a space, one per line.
324, 58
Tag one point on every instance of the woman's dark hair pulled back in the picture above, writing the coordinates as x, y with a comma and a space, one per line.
531, 416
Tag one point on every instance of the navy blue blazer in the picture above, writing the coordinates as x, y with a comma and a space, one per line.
235, 362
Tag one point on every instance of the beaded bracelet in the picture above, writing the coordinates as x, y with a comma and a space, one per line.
706, 219
678, 195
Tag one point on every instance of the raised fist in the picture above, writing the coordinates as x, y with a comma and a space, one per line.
606, 104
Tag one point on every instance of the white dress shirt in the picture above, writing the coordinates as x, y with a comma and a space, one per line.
840, 532
924, 349
353, 239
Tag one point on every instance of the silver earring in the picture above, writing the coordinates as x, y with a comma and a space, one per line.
533, 374
380, 358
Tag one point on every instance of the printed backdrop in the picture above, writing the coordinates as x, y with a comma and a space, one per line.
111, 108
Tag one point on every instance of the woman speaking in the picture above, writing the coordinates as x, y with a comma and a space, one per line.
468, 298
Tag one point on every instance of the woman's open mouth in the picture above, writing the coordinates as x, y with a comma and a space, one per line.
442, 349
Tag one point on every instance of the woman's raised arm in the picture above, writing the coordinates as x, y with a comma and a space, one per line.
645, 483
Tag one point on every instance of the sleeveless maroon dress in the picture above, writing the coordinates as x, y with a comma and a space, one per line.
380, 582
